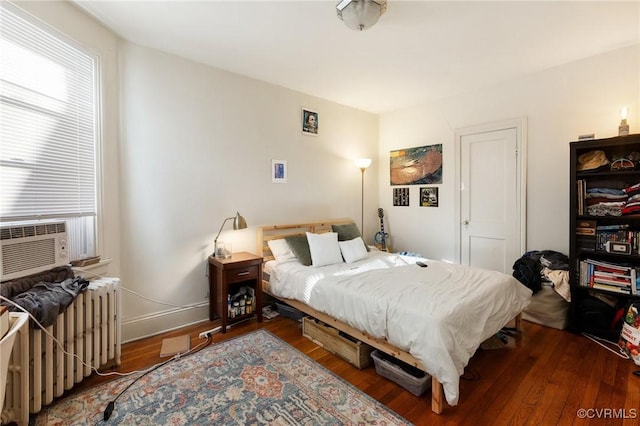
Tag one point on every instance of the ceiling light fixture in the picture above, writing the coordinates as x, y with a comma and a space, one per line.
361, 14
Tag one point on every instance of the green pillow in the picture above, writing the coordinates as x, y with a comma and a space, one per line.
347, 232
300, 247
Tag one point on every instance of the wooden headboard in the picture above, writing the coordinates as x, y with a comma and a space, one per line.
274, 232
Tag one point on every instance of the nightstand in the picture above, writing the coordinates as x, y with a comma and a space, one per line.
226, 278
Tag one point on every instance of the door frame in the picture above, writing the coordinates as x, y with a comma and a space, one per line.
520, 124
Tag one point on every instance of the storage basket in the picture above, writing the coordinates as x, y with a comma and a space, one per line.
395, 370
289, 311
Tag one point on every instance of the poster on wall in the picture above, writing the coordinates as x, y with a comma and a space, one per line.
416, 166
278, 171
310, 122
401, 197
429, 196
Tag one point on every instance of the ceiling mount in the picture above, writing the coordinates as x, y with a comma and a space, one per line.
359, 15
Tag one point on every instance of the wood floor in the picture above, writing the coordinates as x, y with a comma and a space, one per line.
546, 379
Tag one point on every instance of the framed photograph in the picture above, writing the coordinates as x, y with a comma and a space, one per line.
429, 196
416, 166
309, 122
401, 197
278, 171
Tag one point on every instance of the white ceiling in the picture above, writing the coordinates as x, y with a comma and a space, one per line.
418, 51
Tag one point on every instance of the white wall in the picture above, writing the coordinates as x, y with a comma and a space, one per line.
197, 145
559, 104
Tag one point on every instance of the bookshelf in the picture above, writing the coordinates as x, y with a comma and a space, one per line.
604, 248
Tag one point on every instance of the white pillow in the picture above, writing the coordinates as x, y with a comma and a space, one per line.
324, 248
353, 250
280, 249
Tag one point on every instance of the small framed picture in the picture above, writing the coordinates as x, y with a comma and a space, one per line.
309, 122
401, 197
278, 171
429, 196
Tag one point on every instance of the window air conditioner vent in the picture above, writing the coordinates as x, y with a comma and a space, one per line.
31, 248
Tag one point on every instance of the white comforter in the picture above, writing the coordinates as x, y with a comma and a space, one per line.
440, 314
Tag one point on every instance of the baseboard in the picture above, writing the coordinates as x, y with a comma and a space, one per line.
162, 322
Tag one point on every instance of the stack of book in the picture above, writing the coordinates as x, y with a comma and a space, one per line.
616, 233
608, 276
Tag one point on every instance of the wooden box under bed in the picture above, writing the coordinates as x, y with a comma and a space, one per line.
353, 351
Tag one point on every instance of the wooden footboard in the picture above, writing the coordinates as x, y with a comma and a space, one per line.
267, 233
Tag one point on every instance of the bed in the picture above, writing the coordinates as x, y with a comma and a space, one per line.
432, 317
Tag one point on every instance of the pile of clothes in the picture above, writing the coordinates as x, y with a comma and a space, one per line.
613, 202
44, 295
536, 267
546, 273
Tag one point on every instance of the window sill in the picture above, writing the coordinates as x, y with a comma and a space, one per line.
97, 270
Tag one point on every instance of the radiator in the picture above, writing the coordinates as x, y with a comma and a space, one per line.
89, 329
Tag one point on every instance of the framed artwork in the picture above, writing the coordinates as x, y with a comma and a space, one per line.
400, 196
416, 166
310, 122
429, 196
278, 171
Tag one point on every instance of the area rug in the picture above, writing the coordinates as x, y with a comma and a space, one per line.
254, 379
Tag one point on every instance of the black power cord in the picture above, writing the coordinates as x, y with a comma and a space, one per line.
109, 410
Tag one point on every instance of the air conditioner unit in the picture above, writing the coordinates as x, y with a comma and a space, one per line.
31, 248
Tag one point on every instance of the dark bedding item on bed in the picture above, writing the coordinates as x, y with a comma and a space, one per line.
12, 288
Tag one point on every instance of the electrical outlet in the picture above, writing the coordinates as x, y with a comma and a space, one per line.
209, 333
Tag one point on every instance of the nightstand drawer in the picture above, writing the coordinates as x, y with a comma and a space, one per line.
241, 274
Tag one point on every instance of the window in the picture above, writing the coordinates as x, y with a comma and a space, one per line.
48, 130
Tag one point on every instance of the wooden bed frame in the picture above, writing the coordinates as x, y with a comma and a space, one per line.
267, 233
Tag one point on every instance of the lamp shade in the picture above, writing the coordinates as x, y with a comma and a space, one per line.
363, 163
238, 223
361, 14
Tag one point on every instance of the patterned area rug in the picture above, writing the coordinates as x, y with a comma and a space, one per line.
254, 379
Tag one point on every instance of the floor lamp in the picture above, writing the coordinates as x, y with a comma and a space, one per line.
362, 163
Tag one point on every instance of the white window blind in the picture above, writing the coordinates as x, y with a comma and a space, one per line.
48, 128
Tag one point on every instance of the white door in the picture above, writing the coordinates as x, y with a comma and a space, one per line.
491, 198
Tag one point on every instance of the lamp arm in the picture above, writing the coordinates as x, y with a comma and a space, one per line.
222, 226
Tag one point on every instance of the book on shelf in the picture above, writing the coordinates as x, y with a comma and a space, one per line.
612, 227
612, 275
611, 288
608, 276
609, 266
616, 236
619, 282
582, 195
